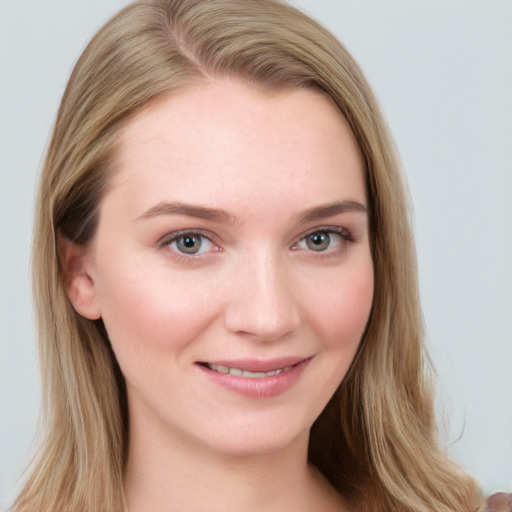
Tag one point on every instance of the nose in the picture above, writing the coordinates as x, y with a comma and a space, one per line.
262, 303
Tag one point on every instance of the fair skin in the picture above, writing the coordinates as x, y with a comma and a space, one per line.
234, 235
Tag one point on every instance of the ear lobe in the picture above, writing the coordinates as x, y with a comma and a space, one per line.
78, 278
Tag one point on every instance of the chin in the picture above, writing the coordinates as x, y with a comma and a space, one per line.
257, 440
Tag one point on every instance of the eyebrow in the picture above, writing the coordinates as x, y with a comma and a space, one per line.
331, 209
199, 212
217, 215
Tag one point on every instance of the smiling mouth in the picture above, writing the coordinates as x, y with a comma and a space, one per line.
256, 378
245, 373
251, 369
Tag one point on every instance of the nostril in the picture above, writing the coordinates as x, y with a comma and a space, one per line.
261, 303
262, 318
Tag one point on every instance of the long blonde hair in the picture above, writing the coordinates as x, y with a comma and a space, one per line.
376, 440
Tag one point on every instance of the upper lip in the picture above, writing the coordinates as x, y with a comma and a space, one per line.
258, 365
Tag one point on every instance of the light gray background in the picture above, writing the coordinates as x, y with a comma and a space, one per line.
443, 73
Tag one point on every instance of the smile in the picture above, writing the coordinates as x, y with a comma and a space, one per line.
245, 373
255, 378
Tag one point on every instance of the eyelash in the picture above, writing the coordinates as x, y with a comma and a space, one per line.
344, 235
174, 237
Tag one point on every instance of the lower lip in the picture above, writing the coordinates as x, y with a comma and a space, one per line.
257, 387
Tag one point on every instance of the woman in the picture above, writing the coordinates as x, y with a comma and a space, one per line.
225, 278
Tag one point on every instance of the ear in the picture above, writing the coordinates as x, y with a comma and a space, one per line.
78, 277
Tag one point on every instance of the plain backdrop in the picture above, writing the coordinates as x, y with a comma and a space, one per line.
443, 73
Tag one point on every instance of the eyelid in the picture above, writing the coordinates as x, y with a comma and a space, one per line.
173, 236
345, 233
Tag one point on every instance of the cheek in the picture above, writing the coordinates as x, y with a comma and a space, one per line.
147, 313
341, 310
338, 312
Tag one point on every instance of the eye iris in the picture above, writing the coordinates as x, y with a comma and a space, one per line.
318, 241
189, 244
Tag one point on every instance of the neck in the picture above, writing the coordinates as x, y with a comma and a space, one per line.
168, 472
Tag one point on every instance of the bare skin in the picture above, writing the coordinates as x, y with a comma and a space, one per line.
232, 270
269, 483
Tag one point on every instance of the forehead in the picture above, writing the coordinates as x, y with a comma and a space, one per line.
226, 138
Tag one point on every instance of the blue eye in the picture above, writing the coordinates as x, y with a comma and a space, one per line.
324, 240
189, 243
319, 241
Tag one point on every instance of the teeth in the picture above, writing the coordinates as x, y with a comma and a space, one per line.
219, 368
244, 373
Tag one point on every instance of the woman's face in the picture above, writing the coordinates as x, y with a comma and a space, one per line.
231, 265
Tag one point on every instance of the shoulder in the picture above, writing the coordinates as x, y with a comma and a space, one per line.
499, 502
